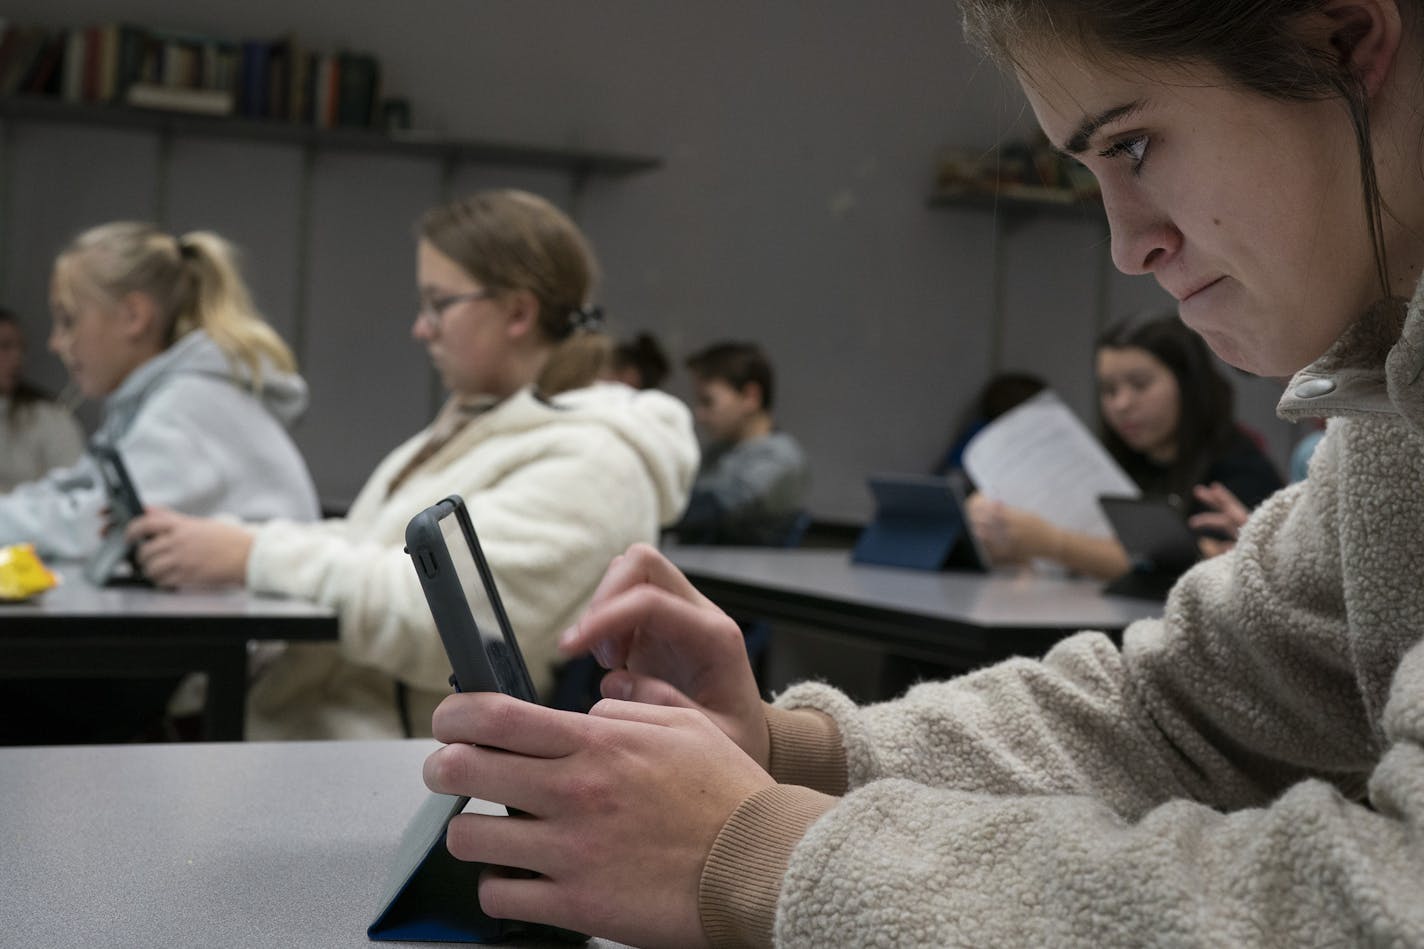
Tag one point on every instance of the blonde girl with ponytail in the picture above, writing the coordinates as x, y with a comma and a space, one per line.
198, 391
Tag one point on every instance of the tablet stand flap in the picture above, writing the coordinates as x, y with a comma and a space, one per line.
433, 897
921, 541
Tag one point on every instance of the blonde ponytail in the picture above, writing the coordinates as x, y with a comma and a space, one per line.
223, 306
193, 280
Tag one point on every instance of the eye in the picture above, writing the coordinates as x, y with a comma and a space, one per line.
1133, 147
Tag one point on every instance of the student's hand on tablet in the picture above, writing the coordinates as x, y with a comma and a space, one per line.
670, 645
620, 810
1226, 516
176, 550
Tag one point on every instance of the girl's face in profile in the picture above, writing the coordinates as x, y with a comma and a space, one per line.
94, 341
1140, 400
1247, 210
461, 324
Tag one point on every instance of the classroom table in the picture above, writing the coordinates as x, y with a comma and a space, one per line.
959, 619
233, 845
78, 630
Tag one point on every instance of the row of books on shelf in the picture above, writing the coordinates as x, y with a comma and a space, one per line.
262, 79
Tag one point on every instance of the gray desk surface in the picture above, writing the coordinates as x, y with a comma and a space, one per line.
77, 598
213, 845
957, 619
1019, 599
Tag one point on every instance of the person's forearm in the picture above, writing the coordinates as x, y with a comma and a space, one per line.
1101, 557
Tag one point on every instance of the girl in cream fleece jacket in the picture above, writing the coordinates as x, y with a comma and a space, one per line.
558, 475
555, 488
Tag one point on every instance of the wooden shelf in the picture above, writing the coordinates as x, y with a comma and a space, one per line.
427, 144
1025, 202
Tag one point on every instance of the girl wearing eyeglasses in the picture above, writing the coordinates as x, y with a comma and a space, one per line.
559, 474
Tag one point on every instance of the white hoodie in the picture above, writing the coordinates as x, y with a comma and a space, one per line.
555, 491
193, 436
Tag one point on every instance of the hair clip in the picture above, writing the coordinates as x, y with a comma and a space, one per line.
587, 318
186, 250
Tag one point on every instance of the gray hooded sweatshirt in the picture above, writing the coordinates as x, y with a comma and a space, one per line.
194, 436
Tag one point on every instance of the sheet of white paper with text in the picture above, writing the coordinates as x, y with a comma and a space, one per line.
1041, 458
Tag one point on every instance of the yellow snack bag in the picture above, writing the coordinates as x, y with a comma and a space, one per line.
22, 573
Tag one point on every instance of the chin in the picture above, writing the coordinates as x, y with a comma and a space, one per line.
1233, 351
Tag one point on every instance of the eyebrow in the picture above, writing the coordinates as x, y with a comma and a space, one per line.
1078, 143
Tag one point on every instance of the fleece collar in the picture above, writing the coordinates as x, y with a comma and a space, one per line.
1375, 368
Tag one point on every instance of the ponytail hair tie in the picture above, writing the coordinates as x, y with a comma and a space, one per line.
587, 318
186, 250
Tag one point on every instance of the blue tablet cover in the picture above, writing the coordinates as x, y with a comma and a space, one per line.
917, 521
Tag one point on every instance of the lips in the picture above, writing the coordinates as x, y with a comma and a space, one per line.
1183, 295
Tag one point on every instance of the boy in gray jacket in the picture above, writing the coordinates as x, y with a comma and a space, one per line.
754, 479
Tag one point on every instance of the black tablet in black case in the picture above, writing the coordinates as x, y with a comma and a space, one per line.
1158, 542
114, 561
453, 572
431, 896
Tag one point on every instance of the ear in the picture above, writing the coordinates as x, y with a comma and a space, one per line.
138, 313
521, 314
1365, 34
753, 397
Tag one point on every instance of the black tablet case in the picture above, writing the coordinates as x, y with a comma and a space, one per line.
114, 560
430, 895
1158, 542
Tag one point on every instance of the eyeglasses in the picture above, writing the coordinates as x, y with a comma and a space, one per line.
431, 310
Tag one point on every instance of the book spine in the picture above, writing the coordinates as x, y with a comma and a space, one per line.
108, 84
130, 59
89, 79
10, 52
354, 109
252, 100
72, 86
46, 77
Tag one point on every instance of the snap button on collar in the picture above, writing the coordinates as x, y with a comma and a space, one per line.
1314, 388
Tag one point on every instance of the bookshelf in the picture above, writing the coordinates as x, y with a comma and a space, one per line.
579, 162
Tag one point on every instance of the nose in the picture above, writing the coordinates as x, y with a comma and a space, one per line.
1143, 237
420, 329
1117, 402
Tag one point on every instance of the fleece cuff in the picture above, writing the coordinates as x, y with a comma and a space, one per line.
806, 749
741, 881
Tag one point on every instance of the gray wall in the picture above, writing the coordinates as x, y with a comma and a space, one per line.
799, 142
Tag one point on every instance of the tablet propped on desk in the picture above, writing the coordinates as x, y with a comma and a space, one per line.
1159, 545
431, 895
919, 523
114, 561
